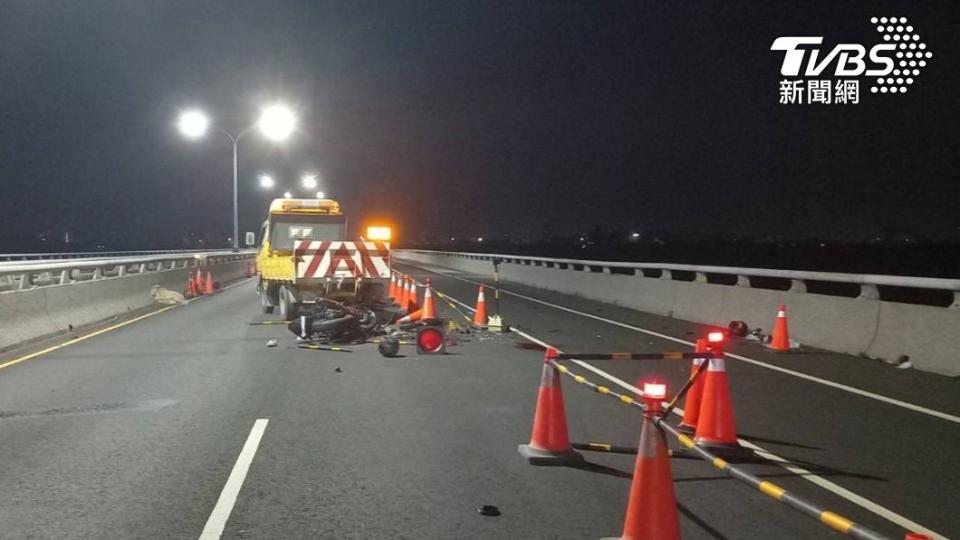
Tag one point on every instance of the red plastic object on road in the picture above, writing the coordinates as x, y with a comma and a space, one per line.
430, 340
550, 441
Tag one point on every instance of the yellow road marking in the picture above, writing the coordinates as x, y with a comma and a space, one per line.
42, 352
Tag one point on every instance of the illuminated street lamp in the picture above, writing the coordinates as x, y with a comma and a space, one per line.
309, 181
276, 123
266, 181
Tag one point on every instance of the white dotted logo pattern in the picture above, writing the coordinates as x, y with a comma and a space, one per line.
911, 56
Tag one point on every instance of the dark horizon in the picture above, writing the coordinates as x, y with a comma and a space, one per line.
466, 120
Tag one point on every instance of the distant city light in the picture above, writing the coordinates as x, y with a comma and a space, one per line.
276, 122
193, 123
266, 181
635, 235
309, 181
480, 239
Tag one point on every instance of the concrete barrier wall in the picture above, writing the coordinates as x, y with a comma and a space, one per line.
46, 311
850, 325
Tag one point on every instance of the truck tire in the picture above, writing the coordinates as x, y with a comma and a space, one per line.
288, 305
265, 304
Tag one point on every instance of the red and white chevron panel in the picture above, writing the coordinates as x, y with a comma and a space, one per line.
321, 259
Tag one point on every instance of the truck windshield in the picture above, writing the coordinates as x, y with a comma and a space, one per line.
287, 231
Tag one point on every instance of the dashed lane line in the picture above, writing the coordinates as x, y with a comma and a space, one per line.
228, 496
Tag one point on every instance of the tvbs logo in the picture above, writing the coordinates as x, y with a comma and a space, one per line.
891, 64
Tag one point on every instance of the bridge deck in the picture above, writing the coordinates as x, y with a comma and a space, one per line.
133, 434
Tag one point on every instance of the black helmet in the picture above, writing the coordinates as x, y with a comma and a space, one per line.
389, 346
738, 328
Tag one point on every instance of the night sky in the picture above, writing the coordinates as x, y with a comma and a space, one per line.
466, 118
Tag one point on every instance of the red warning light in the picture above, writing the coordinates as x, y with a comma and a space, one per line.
715, 337
430, 340
654, 390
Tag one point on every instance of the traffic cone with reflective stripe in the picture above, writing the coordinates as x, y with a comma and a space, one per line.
198, 283
429, 311
691, 404
780, 340
412, 303
208, 287
715, 427
652, 507
480, 315
392, 291
402, 291
413, 317
189, 292
550, 441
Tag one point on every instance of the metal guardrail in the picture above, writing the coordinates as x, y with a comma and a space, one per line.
100, 254
23, 275
867, 283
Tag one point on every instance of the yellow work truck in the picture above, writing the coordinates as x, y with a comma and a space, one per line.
304, 256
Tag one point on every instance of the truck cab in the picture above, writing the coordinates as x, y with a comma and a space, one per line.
304, 255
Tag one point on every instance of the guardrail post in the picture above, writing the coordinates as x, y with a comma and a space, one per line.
798, 286
869, 291
956, 300
743, 281
64, 277
701, 277
25, 282
97, 273
122, 270
666, 274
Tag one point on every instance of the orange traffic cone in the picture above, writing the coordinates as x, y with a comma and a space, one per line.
198, 283
429, 311
413, 317
480, 315
189, 291
780, 340
652, 507
208, 286
691, 405
550, 442
715, 427
412, 303
392, 292
403, 291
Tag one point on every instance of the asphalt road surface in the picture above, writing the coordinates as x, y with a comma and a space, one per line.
186, 420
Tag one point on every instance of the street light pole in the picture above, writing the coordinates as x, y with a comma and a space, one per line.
236, 214
276, 122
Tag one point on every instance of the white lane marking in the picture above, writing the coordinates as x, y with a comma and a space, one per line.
825, 382
856, 499
228, 496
